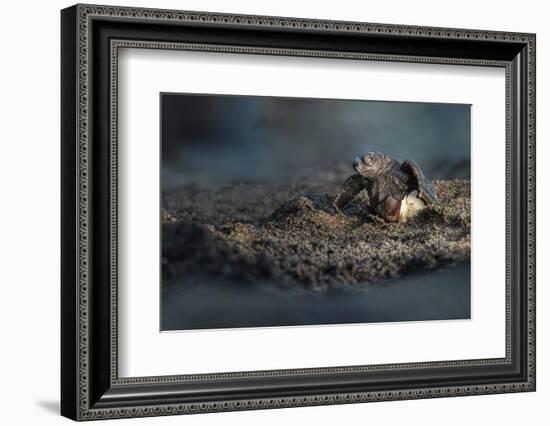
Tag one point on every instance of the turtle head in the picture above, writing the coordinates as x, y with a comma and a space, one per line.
372, 164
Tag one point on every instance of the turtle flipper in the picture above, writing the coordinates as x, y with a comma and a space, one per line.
425, 188
350, 188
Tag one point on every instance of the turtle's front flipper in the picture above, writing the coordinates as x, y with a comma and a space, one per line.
350, 188
426, 191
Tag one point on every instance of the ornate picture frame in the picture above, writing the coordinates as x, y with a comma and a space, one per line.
91, 37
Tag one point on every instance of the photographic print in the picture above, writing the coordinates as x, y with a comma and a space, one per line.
292, 191
299, 211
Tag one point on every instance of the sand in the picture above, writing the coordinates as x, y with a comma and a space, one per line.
291, 234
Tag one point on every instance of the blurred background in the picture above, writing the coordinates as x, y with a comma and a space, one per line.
222, 138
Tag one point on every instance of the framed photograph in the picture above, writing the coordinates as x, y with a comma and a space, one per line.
263, 212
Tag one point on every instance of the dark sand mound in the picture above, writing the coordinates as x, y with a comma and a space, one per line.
292, 234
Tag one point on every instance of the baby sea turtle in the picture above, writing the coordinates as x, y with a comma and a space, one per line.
397, 191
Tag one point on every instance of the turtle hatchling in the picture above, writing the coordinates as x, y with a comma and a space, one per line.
397, 191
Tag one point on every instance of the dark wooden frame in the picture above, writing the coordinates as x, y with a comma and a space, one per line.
90, 386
